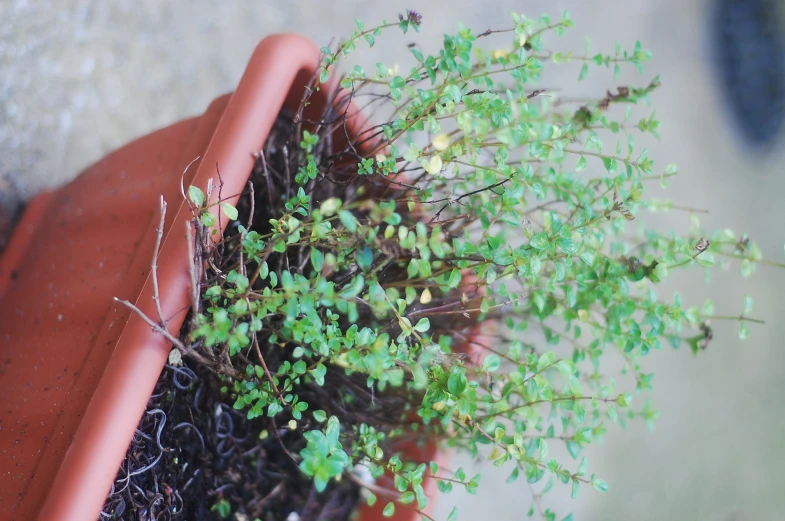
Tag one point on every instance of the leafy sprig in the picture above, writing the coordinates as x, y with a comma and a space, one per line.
513, 208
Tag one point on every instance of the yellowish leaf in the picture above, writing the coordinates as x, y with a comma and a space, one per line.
441, 142
434, 165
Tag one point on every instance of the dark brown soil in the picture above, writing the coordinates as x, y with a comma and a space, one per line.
192, 450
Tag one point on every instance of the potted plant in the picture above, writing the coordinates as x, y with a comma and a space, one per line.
450, 277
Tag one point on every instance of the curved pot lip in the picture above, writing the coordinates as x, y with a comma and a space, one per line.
78, 492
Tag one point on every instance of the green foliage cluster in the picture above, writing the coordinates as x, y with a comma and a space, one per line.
514, 208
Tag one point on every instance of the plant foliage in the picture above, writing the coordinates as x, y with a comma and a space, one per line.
486, 205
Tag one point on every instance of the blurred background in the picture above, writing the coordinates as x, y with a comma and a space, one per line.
79, 78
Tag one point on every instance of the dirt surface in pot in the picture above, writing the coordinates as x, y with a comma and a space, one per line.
195, 458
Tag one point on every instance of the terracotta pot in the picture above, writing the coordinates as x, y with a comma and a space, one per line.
77, 368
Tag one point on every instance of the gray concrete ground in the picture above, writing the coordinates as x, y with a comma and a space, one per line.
81, 77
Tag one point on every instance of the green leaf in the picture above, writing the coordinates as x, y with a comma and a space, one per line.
365, 259
406, 498
453, 92
230, 211
584, 72
332, 431
457, 382
223, 508
539, 241
610, 165
588, 257
453, 514
546, 359
397, 82
423, 325
581, 164
491, 363
348, 220
279, 246
706, 259
573, 448
273, 409
319, 483
567, 246
747, 268
317, 260
565, 367
196, 196
599, 485
744, 330
389, 510
208, 219
747, 305
659, 273
318, 373
582, 468
455, 278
